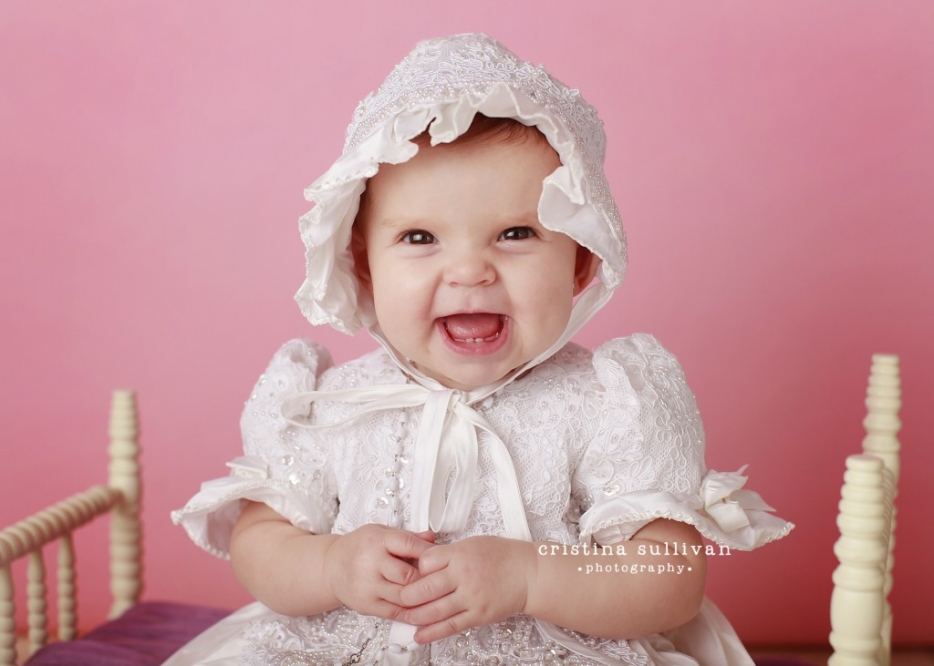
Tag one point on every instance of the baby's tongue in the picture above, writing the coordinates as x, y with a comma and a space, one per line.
475, 325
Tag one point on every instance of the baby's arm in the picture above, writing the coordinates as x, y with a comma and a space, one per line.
294, 572
485, 579
624, 605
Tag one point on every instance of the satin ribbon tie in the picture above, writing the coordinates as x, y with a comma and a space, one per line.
447, 444
727, 503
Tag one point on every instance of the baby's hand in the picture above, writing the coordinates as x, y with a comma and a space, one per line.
467, 584
367, 568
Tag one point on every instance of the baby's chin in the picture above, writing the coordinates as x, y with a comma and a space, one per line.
464, 379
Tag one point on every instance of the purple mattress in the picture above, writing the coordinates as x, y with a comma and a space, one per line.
146, 635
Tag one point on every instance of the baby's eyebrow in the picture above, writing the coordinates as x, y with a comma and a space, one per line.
401, 222
529, 219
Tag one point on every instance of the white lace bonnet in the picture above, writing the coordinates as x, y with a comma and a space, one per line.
440, 86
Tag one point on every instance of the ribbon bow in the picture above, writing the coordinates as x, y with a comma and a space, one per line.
447, 443
725, 501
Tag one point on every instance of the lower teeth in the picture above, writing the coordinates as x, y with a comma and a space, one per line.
493, 337
475, 340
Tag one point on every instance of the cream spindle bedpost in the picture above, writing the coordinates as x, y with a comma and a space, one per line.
35, 601
883, 401
125, 526
29, 536
67, 618
7, 615
856, 604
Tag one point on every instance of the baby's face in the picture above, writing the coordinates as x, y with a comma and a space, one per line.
467, 283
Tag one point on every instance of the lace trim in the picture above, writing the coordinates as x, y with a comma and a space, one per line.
344, 637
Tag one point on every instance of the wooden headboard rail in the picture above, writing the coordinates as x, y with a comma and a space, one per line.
27, 538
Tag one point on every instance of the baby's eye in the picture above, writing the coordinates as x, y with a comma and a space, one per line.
517, 233
418, 237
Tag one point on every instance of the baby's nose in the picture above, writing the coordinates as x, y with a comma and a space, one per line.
470, 269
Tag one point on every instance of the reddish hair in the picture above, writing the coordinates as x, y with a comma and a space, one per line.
483, 129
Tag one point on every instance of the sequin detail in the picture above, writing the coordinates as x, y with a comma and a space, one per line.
342, 637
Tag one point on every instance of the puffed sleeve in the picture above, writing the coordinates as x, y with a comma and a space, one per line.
283, 466
647, 460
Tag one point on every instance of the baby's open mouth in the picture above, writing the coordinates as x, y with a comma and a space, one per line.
474, 327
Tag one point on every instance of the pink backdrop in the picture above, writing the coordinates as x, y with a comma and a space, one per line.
772, 161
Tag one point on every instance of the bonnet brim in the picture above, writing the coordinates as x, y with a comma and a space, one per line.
440, 87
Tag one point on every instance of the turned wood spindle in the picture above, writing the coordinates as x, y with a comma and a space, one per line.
125, 527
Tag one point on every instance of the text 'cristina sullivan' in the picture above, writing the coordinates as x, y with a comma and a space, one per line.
667, 549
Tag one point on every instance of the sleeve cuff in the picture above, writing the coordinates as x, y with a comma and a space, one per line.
721, 511
210, 516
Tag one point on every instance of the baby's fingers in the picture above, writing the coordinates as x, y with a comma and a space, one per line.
406, 544
434, 612
427, 588
446, 627
427, 535
399, 572
384, 609
435, 559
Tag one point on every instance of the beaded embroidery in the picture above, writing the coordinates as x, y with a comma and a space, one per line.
342, 638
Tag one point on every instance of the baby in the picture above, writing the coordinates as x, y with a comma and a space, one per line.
480, 490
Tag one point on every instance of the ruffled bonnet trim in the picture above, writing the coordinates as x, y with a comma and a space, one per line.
210, 516
575, 198
722, 511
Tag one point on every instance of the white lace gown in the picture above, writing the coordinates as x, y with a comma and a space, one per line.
601, 443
